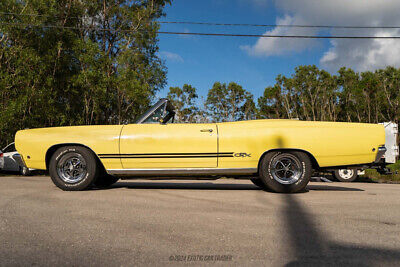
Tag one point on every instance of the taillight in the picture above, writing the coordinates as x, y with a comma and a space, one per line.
1, 155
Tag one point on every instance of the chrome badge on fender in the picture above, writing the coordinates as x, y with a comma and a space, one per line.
242, 155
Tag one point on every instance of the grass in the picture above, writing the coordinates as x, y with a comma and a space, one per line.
376, 177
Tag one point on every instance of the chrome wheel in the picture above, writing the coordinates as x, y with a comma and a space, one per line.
71, 168
286, 169
346, 173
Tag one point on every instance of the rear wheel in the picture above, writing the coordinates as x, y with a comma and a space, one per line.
286, 172
345, 175
73, 168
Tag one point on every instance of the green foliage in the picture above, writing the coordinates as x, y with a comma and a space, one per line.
375, 176
184, 101
75, 74
271, 103
314, 94
229, 102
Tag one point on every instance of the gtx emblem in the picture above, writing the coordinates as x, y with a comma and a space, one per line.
242, 155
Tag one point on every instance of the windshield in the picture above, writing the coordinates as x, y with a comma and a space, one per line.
161, 112
156, 115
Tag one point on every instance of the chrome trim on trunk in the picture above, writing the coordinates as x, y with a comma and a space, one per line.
181, 172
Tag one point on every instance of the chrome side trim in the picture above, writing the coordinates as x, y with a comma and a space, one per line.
380, 153
182, 171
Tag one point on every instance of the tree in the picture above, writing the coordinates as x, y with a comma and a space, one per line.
77, 62
184, 101
249, 110
229, 102
389, 93
309, 94
350, 100
271, 104
368, 84
316, 93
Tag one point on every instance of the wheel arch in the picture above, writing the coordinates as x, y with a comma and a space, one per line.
53, 149
314, 162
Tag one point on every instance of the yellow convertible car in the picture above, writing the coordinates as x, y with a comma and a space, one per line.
279, 155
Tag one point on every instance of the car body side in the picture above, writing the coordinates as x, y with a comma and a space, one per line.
329, 144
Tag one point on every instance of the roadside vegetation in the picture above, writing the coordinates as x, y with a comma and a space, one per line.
374, 176
308, 94
66, 62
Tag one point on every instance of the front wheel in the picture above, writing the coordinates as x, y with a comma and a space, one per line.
286, 172
346, 175
73, 168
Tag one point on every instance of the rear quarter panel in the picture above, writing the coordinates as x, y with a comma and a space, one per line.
33, 144
331, 143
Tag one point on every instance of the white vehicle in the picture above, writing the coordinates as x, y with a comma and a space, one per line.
1, 160
10, 163
390, 156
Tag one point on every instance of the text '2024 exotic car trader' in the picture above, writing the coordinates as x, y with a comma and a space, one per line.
276, 154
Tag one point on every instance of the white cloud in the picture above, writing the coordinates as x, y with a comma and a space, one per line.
281, 46
171, 56
360, 54
363, 54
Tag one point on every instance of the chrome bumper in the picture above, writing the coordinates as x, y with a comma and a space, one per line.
380, 153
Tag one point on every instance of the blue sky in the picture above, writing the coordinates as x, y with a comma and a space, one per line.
203, 60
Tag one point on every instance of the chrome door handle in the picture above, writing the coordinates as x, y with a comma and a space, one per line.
206, 130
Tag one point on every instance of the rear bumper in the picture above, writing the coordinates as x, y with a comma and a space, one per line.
380, 153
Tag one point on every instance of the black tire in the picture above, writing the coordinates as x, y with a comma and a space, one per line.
346, 175
276, 176
87, 170
24, 171
258, 182
105, 181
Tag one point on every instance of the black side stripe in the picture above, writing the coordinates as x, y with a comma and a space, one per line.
168, 155
163, 154
165, 157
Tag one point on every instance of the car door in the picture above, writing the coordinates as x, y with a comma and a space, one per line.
152, 146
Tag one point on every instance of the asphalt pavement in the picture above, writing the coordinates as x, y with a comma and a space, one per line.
223, 222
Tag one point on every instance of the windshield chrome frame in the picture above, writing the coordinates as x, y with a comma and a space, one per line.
150, 111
